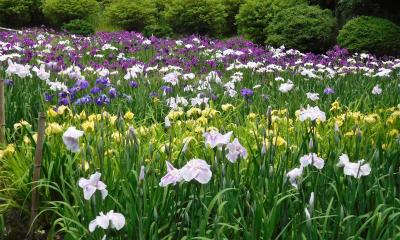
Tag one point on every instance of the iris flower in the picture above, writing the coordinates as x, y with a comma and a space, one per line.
71, 139
313, 159
215, 139
109, 220
236, 150
198, 170
356, 170
293, 176
92, 184
312, 113
173, 176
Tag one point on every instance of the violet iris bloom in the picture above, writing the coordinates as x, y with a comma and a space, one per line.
95, 90
133, 84
247, 93
328, 91
198, 170
215, 139
173, 176
112, 92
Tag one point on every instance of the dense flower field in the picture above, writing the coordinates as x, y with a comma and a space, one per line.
199, 139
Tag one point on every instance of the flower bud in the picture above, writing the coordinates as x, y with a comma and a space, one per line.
167, 122
141, 174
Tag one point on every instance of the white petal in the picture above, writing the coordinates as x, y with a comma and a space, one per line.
92, 225
365, 169
104, 193
83, 182
103, 221
100, 185
204, 177
319, 163
94, 178
117, 220
188, 173
88, 191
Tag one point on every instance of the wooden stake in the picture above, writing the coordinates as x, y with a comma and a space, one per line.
36, 170
2, 114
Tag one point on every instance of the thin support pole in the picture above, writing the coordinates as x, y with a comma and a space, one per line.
2, 114
36, 170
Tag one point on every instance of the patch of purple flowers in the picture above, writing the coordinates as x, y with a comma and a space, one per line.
246, 92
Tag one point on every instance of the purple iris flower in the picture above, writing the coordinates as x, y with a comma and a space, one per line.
112, 92
63, 101
166, 89
153, 94
247, 93
8, 82
73, 90
95, 90
133, 84
102, 82
102, 100
328, 91
83, 100
48, 97
63, 94
82, 84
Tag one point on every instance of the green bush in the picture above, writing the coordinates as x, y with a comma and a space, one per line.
206, 17
370, 34
79, 27
132, 14
63, 11
18, 13
306, 28
255, 15
158, 29
232, 9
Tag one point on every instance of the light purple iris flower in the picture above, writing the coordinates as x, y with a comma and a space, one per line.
312, 159
236, 150
215, 139
92, 184
294, 175
173, 176
198, 170
106, 221
328, 91
71, 139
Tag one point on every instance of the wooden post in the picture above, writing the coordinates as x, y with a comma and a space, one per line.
36, 170
2, 114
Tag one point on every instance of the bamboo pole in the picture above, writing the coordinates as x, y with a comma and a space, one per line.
36, 170
2, 114
8, 29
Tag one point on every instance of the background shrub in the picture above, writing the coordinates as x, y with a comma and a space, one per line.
306, 28
255, 15
370, 34
63, 11
206, 17
232, 9
19, 13
160, 28
132, 14
79, 26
